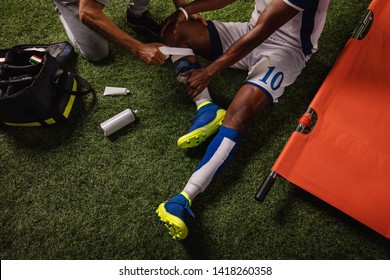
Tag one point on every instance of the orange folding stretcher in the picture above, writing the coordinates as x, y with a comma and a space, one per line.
345, 159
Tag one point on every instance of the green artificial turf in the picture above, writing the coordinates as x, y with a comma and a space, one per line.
69, 192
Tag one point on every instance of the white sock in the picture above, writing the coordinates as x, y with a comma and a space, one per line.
202, 97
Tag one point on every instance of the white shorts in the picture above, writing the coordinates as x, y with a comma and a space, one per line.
271, 66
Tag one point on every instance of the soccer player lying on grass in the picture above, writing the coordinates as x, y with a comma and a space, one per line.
273, 47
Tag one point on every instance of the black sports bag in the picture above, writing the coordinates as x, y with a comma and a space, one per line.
34, 90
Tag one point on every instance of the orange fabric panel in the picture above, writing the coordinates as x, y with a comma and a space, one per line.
345, 160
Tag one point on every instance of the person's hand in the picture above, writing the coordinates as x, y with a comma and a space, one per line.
174, 19
178, 17
198, 80
199, 18
151, 54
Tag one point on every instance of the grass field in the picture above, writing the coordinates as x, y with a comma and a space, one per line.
69, 192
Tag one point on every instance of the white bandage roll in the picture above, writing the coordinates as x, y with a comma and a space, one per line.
118, 121
176, 52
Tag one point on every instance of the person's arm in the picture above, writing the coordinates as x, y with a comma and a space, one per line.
199, 6
271, 19
193, 9
196, 16
92, 15
180, 3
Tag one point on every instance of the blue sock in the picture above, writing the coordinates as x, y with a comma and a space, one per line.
184, 65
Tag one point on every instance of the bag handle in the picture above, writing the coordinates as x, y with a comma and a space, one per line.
71, 83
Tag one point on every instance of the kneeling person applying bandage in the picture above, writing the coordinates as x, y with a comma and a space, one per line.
90, 30
273, 47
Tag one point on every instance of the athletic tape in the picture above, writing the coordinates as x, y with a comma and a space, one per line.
176, 51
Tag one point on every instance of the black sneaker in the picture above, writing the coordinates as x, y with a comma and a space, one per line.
146, 24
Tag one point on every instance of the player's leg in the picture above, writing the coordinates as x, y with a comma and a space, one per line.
209, 117
90, 44
248, 103
245, 107
141, 20
273, 68
191, 34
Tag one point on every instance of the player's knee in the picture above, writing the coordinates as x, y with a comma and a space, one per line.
175, 39
240, 118
170, 38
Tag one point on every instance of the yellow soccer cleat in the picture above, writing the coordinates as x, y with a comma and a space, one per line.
206, 122
173, 214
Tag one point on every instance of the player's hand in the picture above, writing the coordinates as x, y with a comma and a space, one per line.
199, 18
174, 19
198, 80
151, 54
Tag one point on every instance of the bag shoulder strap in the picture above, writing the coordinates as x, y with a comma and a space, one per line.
71, 83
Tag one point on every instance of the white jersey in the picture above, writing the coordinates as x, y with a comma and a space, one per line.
304, 30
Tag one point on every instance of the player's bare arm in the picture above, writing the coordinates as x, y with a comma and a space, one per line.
193, 9
273, 17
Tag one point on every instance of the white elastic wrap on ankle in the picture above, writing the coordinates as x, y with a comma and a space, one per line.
176, 53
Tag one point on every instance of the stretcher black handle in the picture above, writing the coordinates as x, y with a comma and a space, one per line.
266, 186
303, 127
